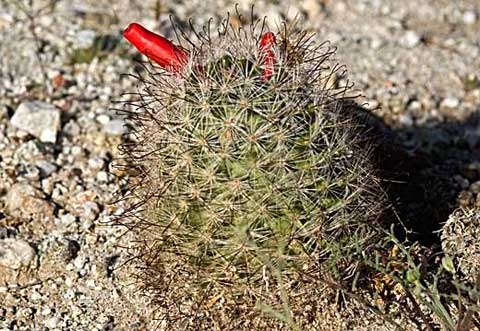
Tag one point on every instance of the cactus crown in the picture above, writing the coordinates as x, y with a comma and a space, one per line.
249, 166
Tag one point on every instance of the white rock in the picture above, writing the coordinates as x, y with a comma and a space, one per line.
51, 322
68, 219
115, 127
6, 19
415, 105
47, 185
15, 253
102, 176
450, 103
85, 38
69, 282
47, 311
376, 42
80, 262
96, 163
103, 119
410, 39
69, 294
35, 296
38, 118
77, 151
469, 17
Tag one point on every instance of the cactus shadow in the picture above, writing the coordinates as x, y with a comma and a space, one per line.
419, 166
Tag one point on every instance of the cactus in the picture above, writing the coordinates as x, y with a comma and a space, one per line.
252, 180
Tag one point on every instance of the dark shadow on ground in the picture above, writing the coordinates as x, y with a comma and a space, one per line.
420, 165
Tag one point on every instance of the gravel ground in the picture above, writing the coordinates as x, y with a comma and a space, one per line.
62, 266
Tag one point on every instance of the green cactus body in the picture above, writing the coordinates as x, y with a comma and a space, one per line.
243, 178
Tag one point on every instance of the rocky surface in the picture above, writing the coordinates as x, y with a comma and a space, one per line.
460, 241
62, 264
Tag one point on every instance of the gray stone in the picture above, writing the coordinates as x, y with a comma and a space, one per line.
72, 129
115, 127
85, 38
46, 168
15, 253
405, 119
40, 119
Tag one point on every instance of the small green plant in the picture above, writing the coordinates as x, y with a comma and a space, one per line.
429, 290
253, 180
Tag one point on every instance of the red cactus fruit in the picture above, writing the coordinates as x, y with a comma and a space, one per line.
267, 41
156, 47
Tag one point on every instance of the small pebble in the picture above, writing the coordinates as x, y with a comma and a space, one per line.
410, 39
115, 127
67, 219
46, 168
449, 103
103, 119
102, 176
469, 17
80, 262
405, 119
415, 105
96, 163
52, 322
85, 38
77, 151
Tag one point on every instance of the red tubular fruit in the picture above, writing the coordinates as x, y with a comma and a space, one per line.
267, 41
156, 47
